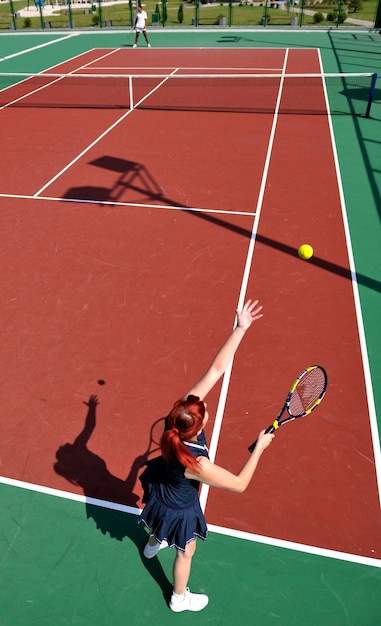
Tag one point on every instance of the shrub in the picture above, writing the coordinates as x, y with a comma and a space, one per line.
343, 17
180, 14
157, 10
27, 22
318, 17
331, 16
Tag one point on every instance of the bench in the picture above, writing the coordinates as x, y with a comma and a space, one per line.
7, 25
57, 24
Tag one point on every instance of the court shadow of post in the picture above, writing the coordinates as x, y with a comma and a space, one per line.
135, 176
77, 464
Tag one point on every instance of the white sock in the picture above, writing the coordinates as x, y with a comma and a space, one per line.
178, 596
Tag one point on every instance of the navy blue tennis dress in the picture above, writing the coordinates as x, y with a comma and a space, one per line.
173, 512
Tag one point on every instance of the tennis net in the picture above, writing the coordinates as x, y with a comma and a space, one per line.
249, 93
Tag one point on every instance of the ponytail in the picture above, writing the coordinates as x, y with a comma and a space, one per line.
182, 424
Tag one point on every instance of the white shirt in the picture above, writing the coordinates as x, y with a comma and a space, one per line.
141, 19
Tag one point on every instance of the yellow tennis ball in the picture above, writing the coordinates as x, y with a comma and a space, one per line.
305, 251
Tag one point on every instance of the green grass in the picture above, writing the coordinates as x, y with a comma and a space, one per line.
119, 14
367, 13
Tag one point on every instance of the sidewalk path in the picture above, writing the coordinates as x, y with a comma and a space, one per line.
349, 20
51, 9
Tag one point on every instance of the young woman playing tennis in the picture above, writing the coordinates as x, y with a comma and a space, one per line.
171, 482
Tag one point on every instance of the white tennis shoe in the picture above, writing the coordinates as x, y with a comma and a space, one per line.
189, 602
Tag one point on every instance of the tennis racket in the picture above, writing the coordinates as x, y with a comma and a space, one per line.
131, 35
306, 392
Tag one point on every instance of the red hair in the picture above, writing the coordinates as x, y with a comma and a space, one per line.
182, 424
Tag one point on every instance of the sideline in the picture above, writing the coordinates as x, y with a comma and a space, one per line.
42, 45
221, 530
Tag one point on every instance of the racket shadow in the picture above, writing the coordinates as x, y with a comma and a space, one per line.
82, 467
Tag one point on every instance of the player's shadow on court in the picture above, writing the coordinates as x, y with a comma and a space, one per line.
80, 466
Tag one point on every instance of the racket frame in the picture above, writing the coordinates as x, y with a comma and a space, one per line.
277, 423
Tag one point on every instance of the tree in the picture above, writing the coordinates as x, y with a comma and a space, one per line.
180, 14
355, 5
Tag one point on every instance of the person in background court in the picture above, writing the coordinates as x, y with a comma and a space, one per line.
141, 26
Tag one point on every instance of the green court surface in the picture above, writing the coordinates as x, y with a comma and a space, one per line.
66, 562
57, 568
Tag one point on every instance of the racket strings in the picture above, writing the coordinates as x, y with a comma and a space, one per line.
307, 392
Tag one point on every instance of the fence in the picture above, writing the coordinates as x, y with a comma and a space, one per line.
70, 14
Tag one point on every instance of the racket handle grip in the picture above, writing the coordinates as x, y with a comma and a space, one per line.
270, 429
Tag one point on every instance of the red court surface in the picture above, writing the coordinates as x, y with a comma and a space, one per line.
125, 242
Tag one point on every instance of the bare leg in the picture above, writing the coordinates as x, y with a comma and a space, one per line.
182, 599
182, 567
153, 546
145, 36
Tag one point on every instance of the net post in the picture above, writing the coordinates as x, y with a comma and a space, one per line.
371, 94
131, 92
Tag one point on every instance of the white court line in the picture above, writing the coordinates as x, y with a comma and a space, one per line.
54, 80
141, 205
94, 143
48, 69
67, 495
229, 532
205, 70
356, 297
299, 547
42, 45
226, 379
